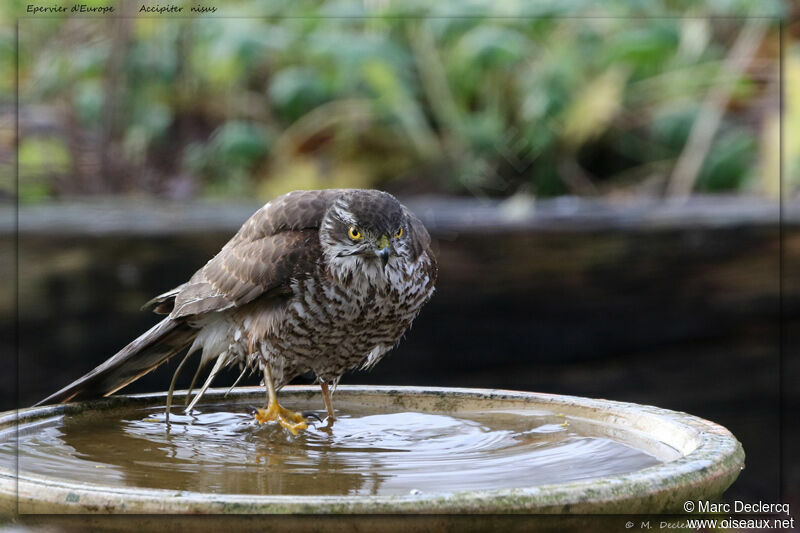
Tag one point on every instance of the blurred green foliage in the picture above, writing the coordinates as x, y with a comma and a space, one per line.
461, 97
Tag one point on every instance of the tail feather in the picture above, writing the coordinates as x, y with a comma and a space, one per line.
144, 354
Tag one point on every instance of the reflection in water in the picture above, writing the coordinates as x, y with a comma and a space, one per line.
220, 449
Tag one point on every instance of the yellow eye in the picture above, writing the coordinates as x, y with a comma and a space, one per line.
355, 233
399, 233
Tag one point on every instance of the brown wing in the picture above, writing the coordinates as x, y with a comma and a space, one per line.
421, 243
279, 242
420, 238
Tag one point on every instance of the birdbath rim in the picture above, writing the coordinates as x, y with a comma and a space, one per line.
710, 459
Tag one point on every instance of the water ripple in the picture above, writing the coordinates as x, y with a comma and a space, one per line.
220, 449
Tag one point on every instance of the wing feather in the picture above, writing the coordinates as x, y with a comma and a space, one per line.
280, 241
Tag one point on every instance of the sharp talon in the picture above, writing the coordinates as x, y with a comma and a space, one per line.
261, 416
311, 414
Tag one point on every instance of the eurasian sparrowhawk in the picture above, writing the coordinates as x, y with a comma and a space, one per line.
320, 281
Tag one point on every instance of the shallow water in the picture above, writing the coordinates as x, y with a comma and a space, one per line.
220, 449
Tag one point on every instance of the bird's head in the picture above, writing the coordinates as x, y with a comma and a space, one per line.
369, 231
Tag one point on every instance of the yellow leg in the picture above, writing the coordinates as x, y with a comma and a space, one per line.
326, 395
292, 421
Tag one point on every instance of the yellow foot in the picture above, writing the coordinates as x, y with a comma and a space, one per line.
292, 421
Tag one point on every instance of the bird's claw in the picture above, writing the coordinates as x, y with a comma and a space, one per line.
311, 414
290, 420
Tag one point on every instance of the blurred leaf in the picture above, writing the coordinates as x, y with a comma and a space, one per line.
308, 173
194, 158
295, 90
41, 156
695, 33
273, 38
33, 191
229, 158
644, 49
350, 50
791, 125
154, 59
485, 131
153, 117
227, 50
343, 8
384, 82
671, 127
764, 8
769, 168
90, 60
88, 98
594, 107
239, 144
728, 163
392, 97
487, 45
546, 180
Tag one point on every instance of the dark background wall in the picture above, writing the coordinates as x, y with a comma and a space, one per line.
671, 305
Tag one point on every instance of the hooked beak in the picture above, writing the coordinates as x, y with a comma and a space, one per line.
383, 251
